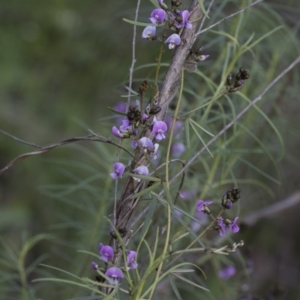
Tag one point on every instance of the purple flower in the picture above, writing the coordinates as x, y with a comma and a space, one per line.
130, 261
221, 226
173, 40
188, 194
116, 132
178, 149
106, 252
115, 274
149, 32
159, 128
144, 117
134, 144
126, 126
141, 170
146, 143
227, 272
119, 170
184, 22
202, 206
94, 266
235, 228
157, 16
121, 106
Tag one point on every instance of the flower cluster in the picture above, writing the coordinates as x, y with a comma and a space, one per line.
240, 77
193, 58
222, 224
174, 19
135, 126
114, 273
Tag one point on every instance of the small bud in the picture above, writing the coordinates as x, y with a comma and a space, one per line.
229, 79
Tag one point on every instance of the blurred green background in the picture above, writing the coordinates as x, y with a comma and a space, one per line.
63, 62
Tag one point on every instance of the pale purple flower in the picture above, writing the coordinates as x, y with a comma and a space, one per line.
146, 143
116, 132
149, 32
144, 117
233, 226
177, 127
157, 16
130, 261
173, 40
195, 226
227, 272
94, 265
159, 128
188, 194
134, 144
177, 149
221, 226
115, 274
141, 170
119, 170
121, 107
106, 252
184, 22
202, 205
126, 126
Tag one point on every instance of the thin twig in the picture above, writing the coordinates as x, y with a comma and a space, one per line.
91, 138
228, 17
19, 140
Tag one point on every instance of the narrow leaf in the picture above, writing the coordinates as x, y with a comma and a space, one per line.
200, 138
174, 288
145, 191
191, 282
203, 8
191, 120
149, 178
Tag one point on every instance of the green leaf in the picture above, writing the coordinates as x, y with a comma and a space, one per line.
187, 134
149, 178
145, 191
168, 195
227, 35
148, 218
117, 111
191, 120
174, 288
200, 138
191, 282
136, 23
259, 170
203, 8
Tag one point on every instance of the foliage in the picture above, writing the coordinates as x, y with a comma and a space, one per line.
47, 249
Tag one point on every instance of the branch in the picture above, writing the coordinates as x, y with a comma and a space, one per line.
167, 93
91, 137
